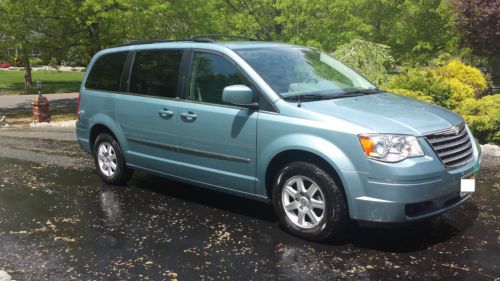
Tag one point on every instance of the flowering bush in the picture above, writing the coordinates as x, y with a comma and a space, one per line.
4, 65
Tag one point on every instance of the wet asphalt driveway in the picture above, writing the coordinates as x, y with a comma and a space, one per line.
59, 222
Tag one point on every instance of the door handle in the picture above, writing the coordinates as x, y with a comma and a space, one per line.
188, 116
165, 113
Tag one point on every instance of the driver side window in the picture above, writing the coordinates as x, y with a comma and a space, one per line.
211, 73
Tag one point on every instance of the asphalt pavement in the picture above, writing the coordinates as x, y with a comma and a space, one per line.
24, 101
59, 222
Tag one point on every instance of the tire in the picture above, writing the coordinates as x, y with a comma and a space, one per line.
109, 160
304, 203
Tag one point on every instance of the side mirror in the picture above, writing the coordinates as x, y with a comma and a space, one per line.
239, 95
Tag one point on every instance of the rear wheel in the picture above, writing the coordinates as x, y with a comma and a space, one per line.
309, 202
109, 160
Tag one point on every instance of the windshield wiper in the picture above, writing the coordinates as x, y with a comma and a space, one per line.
314, 97
305, 97
356, 93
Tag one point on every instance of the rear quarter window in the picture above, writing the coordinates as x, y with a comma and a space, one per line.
106, 72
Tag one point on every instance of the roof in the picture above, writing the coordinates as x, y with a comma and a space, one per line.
213, 45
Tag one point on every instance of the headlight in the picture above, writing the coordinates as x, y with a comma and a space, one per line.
390, 148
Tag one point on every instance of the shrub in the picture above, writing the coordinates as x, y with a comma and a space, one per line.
16, 61
441, 60
458, 87
412, 94
459, 92
483, 117
468, 75
54, 63
36, 61
425, 82
368, 58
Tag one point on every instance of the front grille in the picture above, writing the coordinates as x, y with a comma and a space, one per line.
453, 146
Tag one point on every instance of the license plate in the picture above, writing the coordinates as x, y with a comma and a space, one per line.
467, 185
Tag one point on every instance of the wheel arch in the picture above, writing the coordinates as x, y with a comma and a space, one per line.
106, 124
293, 155
96, 130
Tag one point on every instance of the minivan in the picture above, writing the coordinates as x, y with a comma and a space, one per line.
278, 123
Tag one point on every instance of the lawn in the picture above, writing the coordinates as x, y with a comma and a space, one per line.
12, 82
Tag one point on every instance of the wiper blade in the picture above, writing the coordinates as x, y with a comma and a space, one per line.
305, 97
332, 95
356, 93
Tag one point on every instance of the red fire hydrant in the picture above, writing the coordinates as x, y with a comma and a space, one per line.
41, 112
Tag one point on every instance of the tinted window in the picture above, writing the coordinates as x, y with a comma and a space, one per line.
106, 72
155, 73
211, 74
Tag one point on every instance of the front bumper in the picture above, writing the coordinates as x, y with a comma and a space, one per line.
408, 191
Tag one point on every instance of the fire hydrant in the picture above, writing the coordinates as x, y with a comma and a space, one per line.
40, 104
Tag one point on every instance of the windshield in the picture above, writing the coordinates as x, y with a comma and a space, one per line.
295, 73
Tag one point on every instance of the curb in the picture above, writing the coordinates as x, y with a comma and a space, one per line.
490, 150
4, 276
60, 124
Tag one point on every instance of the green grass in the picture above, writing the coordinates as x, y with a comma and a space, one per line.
12, 82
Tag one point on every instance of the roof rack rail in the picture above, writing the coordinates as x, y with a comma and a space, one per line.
206, 38
152, 41
209, 36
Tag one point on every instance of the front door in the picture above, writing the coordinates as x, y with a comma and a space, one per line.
218, 141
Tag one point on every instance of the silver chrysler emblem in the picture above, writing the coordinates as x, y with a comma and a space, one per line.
456, 130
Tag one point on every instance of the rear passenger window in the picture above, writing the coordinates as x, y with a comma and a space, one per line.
156, 73
106, 73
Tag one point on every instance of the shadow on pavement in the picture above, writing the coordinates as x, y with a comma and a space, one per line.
218, 200
415, 237
398, 239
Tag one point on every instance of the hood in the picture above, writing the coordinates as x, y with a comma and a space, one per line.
388, 113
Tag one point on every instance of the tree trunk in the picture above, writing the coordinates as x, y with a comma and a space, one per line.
28, 79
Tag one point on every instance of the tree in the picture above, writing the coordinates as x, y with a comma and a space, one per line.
479, 23
17, 25
416, 30
370, 59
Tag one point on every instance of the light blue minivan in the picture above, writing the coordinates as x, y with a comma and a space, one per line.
274, 122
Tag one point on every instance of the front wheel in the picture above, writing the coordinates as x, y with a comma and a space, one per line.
109, 160
309, 202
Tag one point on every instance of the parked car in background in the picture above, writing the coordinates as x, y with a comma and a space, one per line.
274, 122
